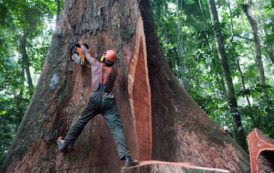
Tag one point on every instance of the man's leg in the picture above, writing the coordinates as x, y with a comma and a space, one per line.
77, 127
114, 124
113, 121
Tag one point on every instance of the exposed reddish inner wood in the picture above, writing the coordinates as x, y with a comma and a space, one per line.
257, 143
139, 92
142, 107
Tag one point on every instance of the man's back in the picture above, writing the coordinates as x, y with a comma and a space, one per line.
95, 72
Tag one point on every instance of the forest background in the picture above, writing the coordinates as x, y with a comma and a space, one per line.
224, 63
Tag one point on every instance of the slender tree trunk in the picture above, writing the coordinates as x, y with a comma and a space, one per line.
270, 52
231, 25
205, 25
180, 47
243, 81
269, 45
219, 77
26, 63
236, 119
57, 11
201, 9
222, 84
178, 28
259, 63
159, 7
183, 24
254, 123
237, 61
180, 44
209, 46
18, 96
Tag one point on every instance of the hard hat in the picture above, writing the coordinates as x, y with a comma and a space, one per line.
110, 56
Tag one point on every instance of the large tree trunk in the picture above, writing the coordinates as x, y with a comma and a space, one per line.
258, 60
160, 120
236, 119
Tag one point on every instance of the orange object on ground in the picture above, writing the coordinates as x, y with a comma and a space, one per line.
261, 151
223, 130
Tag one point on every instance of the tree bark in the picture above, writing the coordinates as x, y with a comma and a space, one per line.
258, 60
26, 64
236, 119
160, 120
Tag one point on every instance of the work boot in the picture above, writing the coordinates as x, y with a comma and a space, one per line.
62, 145
129, 162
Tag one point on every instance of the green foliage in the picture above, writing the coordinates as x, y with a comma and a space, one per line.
20, 22
189, 47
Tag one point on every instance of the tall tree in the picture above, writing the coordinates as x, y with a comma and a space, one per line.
236, 119
19, 63
237, 59
258, 59
29, 21
153, 127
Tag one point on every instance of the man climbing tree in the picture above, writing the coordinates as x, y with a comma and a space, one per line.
101, 101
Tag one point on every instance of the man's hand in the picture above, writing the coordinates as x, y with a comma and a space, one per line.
89, 57
84, 50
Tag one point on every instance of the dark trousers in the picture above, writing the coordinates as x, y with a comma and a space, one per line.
103, 103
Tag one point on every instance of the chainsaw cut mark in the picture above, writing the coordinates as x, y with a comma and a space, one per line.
140, 96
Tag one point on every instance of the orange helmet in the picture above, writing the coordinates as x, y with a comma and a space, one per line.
110, 55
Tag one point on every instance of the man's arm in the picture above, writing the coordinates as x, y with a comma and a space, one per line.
90, 58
